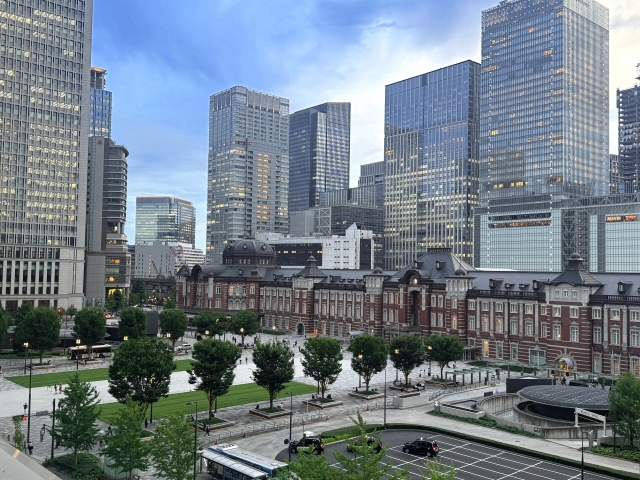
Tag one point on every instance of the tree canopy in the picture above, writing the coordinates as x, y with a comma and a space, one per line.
173, 322
77, 414
212, 368
407, 352
213, 322
321, 357
90, 326
141, 369
133, 323
245, 324
624, 406
4, 325
72, 311
370, 355
444, 349
274, 367
39, 327
172, 448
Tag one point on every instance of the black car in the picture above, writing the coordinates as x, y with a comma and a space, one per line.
421, 446
578, 383
355, 442
307, 445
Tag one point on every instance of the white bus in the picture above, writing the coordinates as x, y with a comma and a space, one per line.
222, 467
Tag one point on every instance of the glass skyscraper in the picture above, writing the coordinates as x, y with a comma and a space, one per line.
100, 105
628, 102
45, 65
544, 126
431, 159
319, 152
165, 219
248, 178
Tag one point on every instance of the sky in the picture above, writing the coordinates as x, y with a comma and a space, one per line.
164, 58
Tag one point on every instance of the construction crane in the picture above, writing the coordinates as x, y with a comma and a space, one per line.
154, 265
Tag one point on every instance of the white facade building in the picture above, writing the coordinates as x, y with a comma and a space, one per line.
162, 259
354, 250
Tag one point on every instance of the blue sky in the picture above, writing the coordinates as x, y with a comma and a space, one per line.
165, 58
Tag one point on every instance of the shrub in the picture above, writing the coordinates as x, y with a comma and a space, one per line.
625, 453
87, 468
338, 434
485, 422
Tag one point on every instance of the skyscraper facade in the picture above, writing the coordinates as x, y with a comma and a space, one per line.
431, 161
165, 219
108, 264
45, 76
248, 178
100, 104
628, 102
319, 152
544, 127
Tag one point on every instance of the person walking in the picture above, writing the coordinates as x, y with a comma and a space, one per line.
206, 430
55, 388
30, 448
42, 432
60, 387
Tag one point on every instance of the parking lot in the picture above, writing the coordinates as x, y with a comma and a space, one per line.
472, 461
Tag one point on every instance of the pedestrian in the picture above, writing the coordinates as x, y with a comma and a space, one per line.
146, 424
206, 430
246, 360
25, 408
30, 448
42, 431
109, 430
101, 442
60, 387
55, 387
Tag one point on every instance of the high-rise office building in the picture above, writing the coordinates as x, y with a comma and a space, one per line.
431, 160
371, 174
544, 127
628, 102
248, 179
100, 104
615, 185
368, 193
108, 264
165, 219
43, 156
319, 152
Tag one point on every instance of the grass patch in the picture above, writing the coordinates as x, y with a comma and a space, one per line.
625, 453
210, 421
88, 375
339, 434
248, 393
268, 331
367, 392
485, 422
272, 410
87, 468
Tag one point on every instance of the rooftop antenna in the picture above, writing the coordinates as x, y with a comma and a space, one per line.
638, 71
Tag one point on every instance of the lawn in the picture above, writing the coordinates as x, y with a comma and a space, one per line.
248, 393
89, 375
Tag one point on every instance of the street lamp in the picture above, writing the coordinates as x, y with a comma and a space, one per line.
125, 338
582, 435
429, 347
78, 341
359, 376
290, 419
615, 425
195, 438
206, 333
26, 345
151, 381
397, 353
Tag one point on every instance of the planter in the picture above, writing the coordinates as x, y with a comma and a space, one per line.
409, 394
367, 397
321, 406
42, 367
220, 423
266, 415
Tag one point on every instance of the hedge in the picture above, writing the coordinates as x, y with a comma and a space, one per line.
339, 434
625, 453
87, 468
485, 422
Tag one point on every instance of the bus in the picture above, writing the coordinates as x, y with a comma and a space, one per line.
221, 467
270, 466
81, 352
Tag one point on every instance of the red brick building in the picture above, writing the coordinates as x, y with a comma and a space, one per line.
586, 322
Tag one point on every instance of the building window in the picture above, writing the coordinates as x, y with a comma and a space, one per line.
252, 303
597, 362
384, 297
556, 292
485, 306
615, 336
615, 314
371, 314
499, 306
304, 307
440, 301
635, 366
433, 319
472, 304
573, 312
574, 294
565, 293
634, 315
513, 308
384, 314
544, 330
472, 323
252, 290
557, 332
440, 317
635, 338
244, 289
499, 350
597, 335
615, 365
471, 342
514, 351
217, 303
596, 313
218, 289
574, 333
513, 327
485, 324
543, 309
499, 326
537, 357
529, 329
528, 309
454, 303
557, 311
357, 311
433, 300
454, 322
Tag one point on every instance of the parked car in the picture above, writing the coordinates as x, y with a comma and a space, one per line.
421, 446
307, 445
185, 346
371, 440
578, 383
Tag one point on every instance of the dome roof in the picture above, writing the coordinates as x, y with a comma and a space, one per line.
248, 252
460, 272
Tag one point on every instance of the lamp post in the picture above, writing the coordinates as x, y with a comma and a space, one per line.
582, 435
359, 376
612, 388
151, 381
242, 336
125, 338
195, 438
206, 333
53, 426
290, 420
397, 352
29, 407
429, 348
78, 341
385, 398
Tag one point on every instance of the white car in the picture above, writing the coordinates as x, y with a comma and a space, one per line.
184, 346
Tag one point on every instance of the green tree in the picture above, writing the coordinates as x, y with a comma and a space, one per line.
321, 357
40, 327
213, 322
407, 352
133, 323
274, 367
118, 297
624, 406
90, 327
172, 448
212, 368
18, 435
134, 300
126, 449
24, 311
170, 303
173, 322
72, 311
77, 414
141, 369
111, 305
139, 288
4, 325
245, 323
444, 349
369, 356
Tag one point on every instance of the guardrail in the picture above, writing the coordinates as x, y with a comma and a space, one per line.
463, 388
